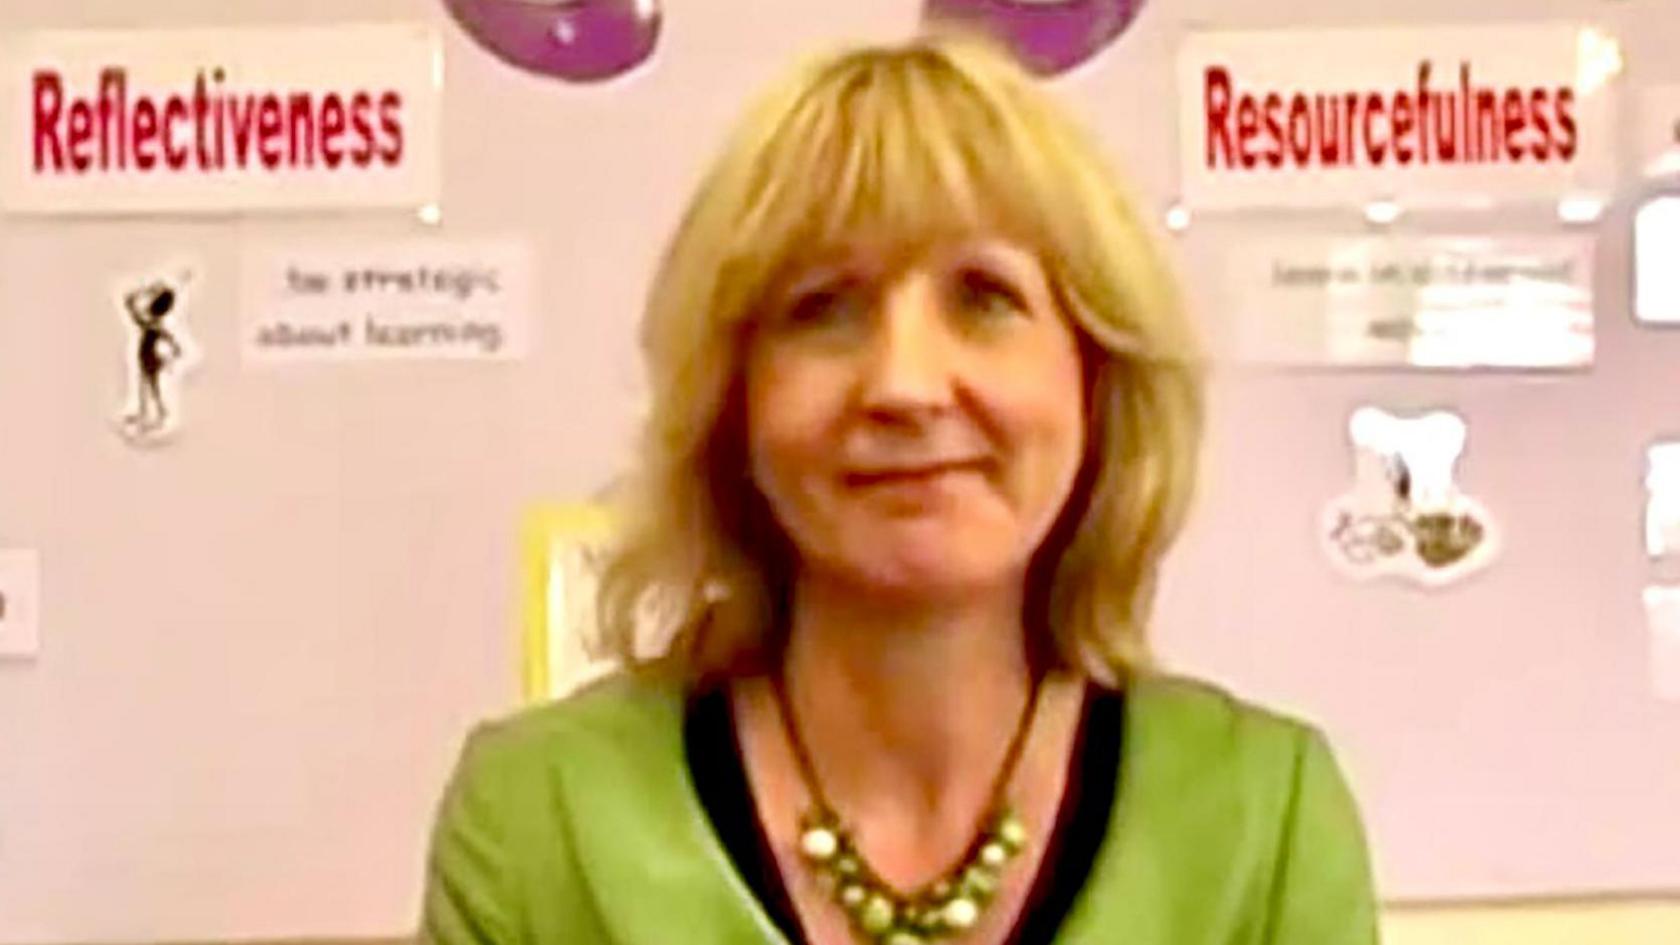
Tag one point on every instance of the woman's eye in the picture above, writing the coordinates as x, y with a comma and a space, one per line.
823, 307
981, 293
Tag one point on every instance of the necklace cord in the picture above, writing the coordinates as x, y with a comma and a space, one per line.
808, 772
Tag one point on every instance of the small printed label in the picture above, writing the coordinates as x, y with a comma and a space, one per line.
407, 300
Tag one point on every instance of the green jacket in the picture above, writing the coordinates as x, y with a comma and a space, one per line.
575, 823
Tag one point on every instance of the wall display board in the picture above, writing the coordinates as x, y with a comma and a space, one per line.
262, 643
209, 121
1423, 116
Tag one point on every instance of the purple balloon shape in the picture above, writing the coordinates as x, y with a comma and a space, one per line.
1049, 37
575, 40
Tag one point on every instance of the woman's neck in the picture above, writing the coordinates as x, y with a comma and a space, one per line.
907, 708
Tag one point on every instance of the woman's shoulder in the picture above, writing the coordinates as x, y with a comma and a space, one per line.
1199, 724
625, 702
533, 788
1196, 701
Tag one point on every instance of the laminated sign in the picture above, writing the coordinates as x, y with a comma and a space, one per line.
212, 121
1423, 116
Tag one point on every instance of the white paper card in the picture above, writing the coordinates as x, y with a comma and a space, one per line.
573, 577
1662, 502
1437, 302
1662, 619
1656, 261
421, 299
20, 603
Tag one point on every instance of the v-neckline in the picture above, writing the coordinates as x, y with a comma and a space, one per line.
715, 758
663, 852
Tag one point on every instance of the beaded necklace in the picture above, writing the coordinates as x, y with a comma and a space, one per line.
943, 908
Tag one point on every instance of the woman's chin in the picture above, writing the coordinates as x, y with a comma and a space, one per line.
915, 575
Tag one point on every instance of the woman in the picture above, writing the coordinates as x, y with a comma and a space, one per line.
925, 415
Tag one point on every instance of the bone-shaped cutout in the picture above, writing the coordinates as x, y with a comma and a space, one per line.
574, 40
1049, 36
1422, 449
1404, 514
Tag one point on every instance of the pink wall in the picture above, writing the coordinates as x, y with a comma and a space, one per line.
263, 643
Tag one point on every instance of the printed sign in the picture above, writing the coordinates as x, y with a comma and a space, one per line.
211, 121
403, 300
1438, 302
1449, 116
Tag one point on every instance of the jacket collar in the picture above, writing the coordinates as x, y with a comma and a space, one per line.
658, 872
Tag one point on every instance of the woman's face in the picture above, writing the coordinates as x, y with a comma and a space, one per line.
916, 424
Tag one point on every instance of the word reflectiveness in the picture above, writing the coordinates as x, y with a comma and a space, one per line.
209, 127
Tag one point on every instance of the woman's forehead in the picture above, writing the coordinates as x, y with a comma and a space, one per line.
882, 248
884, 252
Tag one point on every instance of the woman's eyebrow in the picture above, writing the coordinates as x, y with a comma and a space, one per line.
824, 279
1016, 265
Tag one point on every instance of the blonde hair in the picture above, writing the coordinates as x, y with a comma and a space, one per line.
908, 144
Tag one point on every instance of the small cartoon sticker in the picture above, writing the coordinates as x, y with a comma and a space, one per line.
1405, 516
159, 352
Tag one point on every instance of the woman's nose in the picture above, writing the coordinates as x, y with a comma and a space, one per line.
908, 365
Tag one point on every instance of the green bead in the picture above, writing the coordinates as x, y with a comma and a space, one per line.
819, 844
1012, 833
846, 865
902, 937
980, 882
993, 855
961, 913
852, 895
877, 914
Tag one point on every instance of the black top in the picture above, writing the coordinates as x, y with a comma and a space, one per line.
720, 779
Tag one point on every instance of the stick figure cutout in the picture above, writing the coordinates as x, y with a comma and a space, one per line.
159, 353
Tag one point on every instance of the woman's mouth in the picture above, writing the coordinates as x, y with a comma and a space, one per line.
909, 475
